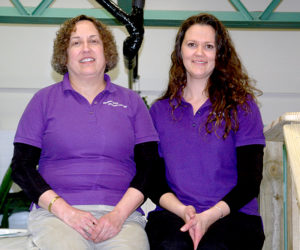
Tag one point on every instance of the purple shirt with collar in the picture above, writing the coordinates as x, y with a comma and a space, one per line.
87, 149
201, 167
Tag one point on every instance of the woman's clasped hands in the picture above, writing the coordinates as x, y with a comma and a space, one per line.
108, 226
197, 223
91, 228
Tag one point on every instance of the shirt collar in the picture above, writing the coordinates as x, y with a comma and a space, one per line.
183, 101
110, 87
184, 104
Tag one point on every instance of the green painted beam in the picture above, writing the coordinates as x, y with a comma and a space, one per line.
232, 19
53, 15
39, 10
20, 8
242, 9
269, 10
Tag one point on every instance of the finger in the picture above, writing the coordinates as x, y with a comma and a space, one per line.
84, 234
187, 226
94, 221
87, 231
91, 225
99, 231
104, 235
192, 234
191, 213
196, 240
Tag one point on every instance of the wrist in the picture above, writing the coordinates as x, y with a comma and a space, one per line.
182, 212
52, 202
220, 210
62, 209
120, 214
213, 214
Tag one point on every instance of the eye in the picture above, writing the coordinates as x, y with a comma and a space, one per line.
191, 44
75, 43
94, 41
210, 46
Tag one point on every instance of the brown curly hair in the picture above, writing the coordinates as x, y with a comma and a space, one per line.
229, 84
61, 44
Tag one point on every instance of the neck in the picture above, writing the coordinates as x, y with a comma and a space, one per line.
88, 87
196, 90
196, 94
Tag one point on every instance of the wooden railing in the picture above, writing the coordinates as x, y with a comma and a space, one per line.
282, 200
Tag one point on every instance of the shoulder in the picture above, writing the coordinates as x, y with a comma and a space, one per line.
51, 89
121, 96
158, 104
124, 92
42, 96
160, 108
250, 107
250, 125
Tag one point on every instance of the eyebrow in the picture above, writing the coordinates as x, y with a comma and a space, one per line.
77, 37
196, 41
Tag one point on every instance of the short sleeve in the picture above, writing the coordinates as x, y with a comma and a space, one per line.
250, 126
143, 125
31, 126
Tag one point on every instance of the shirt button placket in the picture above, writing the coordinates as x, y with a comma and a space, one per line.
92, 113
196, 117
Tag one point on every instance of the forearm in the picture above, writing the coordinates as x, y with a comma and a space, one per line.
219, 210
130, 201
58, 206
170, 202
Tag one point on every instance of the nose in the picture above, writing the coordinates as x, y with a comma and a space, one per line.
86, 46
199, 50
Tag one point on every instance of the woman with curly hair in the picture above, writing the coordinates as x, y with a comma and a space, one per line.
91, 141
211, 139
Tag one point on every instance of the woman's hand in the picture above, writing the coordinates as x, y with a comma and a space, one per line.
197, 226
108, 226
188, 213
81, 221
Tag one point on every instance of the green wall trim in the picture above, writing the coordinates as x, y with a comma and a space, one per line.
167, 18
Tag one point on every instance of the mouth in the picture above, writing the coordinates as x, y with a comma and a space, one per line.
199, 61
88, 59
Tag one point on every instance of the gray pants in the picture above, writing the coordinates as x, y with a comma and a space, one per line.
49, 232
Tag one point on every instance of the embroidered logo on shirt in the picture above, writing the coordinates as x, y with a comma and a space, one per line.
115, 104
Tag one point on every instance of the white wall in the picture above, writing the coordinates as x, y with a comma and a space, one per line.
271, 57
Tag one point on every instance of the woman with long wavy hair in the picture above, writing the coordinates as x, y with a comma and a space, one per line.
211, 139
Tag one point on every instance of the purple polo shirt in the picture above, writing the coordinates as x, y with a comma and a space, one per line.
201, 167
87, 149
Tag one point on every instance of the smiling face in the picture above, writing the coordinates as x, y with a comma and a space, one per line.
198, 52
85, 52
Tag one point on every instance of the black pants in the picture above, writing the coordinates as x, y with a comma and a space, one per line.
237, 231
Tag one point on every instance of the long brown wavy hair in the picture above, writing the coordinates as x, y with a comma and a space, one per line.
61, 44
229, 84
